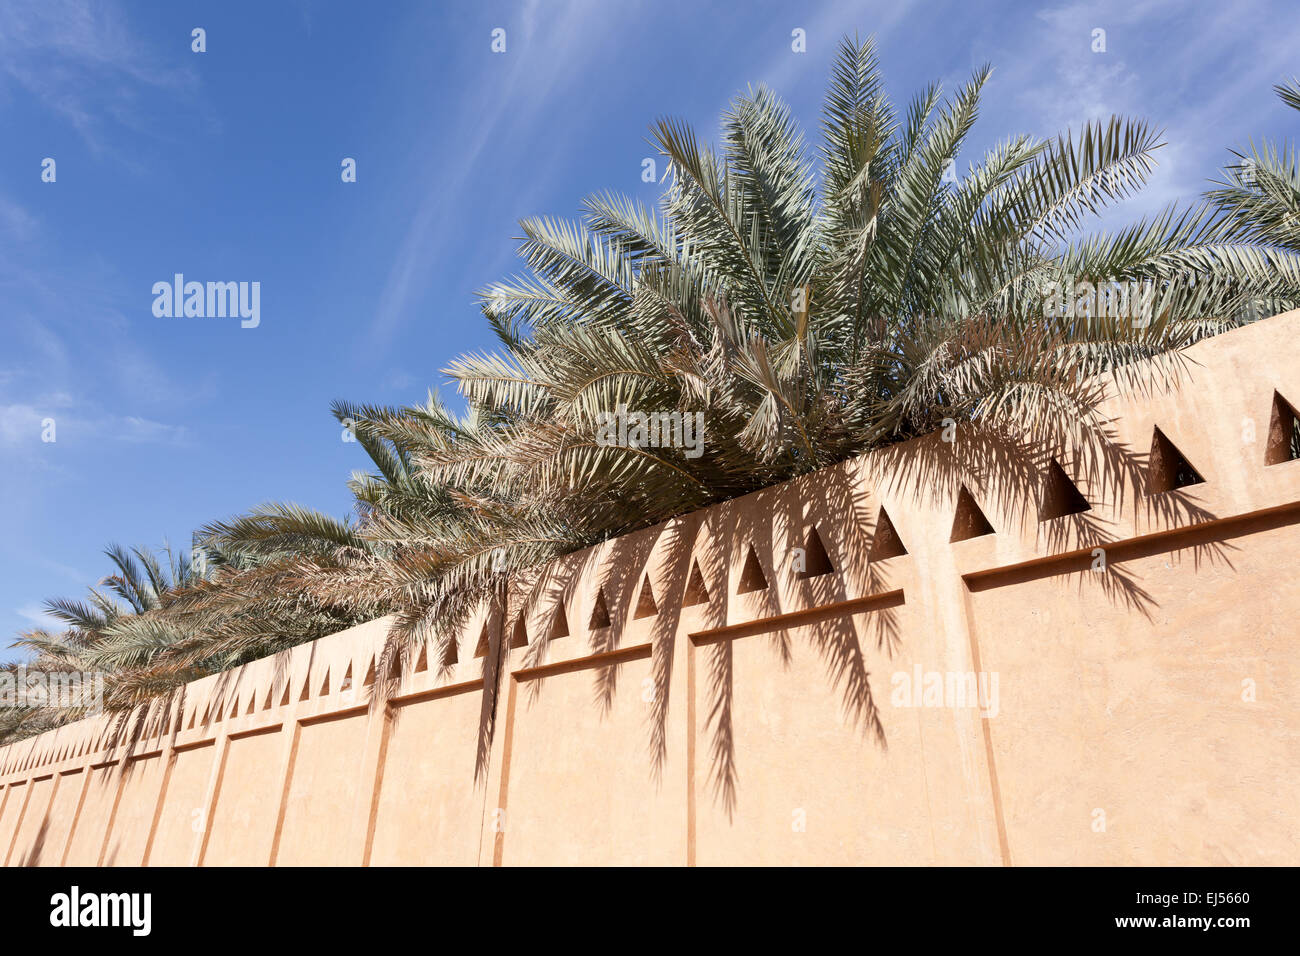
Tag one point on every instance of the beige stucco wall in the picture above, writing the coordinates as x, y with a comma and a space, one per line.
1145, 713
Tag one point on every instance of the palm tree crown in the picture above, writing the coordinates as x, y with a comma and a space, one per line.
803, 303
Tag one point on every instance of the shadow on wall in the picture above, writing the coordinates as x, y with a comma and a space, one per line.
1034, 488
703, 559
33, 856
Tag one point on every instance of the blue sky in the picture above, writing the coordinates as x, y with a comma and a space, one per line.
225, 166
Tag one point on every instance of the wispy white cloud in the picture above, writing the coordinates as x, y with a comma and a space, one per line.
81, 62
20, 424
132, 428
67, 571
550, 45
16, 223
38, 617
39, 362
68, 422
1184, 71
139, 377
825, 28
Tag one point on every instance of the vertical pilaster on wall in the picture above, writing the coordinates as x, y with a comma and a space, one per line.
118, 777
4, 802
18, 821
167, 756
87, 772
361, 831
948, 603
689, 652
945, 615
677, 731
986, 727
499, 819
54, 796
496, 775
220, 749
291, 734
299, 706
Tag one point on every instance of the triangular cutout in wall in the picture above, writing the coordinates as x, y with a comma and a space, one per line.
422, 662
816, 561
599, 612
752, 577
1060, 495
645, 604
1168, 468
968, 521
370, 673
696, 592
284, 698
325, 685
483, 643
1283, 432
519, 636
270, 694
885, 543
560, 625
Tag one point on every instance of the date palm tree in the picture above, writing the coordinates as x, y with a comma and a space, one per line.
812, 302
140, 585
1260, 198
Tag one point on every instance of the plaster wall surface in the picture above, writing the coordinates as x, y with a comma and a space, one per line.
1115, 685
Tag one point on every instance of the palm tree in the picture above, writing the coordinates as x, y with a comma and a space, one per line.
810, 308
247, 598
810, 304
141, 585
1260, 200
